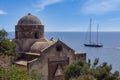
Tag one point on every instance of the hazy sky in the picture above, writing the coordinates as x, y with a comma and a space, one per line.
63, 15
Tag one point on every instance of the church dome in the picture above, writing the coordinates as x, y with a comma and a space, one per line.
29, 20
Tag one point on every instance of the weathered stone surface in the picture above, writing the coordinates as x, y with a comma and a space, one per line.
30, 27
56, 67
29, 19
46, 56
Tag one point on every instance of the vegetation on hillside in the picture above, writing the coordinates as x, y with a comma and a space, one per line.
7, 47
81, 70
12, 72
16, 73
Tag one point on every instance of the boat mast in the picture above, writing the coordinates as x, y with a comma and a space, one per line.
97, 32
90, 31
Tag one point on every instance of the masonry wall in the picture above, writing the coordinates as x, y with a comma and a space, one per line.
80, 56
42, 64
23, 45
53, 64
29, 31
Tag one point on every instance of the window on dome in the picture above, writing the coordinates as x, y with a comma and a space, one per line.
36, 35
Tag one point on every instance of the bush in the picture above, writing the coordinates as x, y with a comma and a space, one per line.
35, 75
86, 71
84, 77
6, 46
13, 73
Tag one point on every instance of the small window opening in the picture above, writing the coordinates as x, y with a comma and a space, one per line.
59, 48
36, 35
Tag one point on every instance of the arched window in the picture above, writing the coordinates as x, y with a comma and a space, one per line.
36, 35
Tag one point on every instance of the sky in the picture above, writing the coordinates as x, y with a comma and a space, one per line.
63, 15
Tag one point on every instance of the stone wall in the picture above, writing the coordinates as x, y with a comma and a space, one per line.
80, 56
41, 64
54, 64
23, 45
29, 31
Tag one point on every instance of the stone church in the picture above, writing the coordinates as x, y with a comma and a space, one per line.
36, 52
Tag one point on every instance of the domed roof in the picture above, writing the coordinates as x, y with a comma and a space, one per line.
28, 20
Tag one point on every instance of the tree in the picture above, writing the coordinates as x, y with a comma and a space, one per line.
72, 71
76, 69
3, 34
86, 71
84, 77
7, 47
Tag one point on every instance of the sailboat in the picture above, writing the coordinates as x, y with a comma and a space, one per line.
90, 44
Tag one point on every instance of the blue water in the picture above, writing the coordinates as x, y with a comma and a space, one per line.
109, 53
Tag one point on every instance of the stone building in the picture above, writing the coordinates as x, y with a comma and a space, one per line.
37, 52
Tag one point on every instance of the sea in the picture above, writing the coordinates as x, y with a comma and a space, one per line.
110, 52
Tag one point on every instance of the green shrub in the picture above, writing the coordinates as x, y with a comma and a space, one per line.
86, 71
